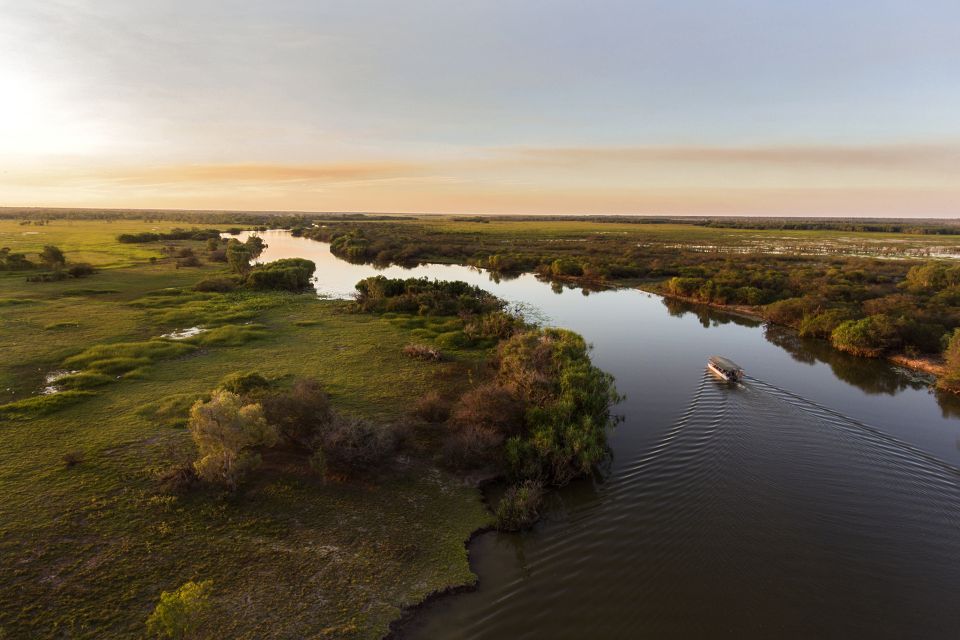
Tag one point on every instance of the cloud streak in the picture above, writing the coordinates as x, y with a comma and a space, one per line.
894, 156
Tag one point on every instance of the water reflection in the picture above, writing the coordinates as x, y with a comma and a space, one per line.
860, 372
754, 513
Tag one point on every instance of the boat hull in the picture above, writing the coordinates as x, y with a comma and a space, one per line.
723, 375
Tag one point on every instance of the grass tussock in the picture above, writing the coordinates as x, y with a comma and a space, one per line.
84, 380
519, 508
173, 410
231, 335
10, 302
57, 326
423, 352
42, 405
120, 354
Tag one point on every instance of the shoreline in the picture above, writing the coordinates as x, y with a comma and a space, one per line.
930, 364
408, 615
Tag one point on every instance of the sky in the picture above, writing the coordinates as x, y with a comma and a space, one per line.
735, 107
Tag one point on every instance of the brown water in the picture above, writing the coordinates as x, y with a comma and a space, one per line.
821, 498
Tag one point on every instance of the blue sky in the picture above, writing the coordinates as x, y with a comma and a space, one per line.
799, 108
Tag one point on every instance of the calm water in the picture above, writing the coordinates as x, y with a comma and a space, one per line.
819, 499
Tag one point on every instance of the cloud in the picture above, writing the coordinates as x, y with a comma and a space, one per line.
259, 173
936, 156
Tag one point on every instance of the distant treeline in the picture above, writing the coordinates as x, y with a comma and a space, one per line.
271, 219
938, 227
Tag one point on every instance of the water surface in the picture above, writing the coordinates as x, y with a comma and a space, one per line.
819, 499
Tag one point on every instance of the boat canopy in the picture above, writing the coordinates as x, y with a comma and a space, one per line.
724, 363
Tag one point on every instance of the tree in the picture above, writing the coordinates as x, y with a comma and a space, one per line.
226, 433
179, 612
255, 245
950, 380
238, 257
870, 337
52, 257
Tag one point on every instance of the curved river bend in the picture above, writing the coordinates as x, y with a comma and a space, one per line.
819, 499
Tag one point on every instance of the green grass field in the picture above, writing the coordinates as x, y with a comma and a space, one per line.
85, 551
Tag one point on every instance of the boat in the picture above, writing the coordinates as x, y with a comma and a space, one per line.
725, 368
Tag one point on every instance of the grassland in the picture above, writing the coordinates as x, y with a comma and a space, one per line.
86, 549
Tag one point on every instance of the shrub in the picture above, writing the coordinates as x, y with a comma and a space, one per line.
423, 352
424, 296
568, 404
489, 406
498, 324
244, 383
352, 446
519, 507
226, 433
431, 407
189, 261
52, 257
950, 380
180, 478
289, 274
80, 270
216, 285
870, 337
472, 447
72, 458
301, 414
453, 340
238, 256
180, 612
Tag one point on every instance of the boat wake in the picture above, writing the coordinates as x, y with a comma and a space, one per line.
758, 513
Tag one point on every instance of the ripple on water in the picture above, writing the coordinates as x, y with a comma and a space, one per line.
758, 514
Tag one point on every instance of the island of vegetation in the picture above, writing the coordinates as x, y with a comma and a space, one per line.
193, 444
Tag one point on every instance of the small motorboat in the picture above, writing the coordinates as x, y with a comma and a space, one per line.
725, 368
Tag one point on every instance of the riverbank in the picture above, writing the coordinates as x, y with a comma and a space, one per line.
932, 365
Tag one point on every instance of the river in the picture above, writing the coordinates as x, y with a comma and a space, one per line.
819, 499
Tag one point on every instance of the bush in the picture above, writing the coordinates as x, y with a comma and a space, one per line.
424, 297
72, 458
498, 324
453, 340
472, 447
950, 380
519, 508
189, 261
431, 407
302, 414
352, 446
226, 433
216, 285
489, 406
870, 337
180, 478
179, 613
80, 270
568, 404
244, 383
423, 352
289, 274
